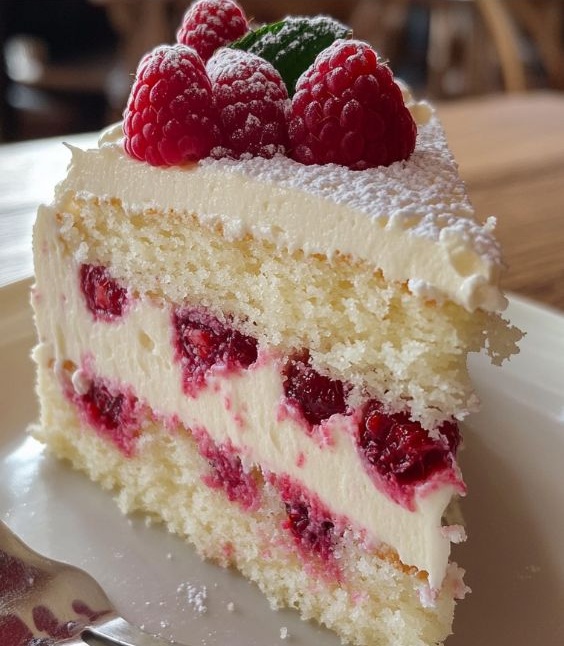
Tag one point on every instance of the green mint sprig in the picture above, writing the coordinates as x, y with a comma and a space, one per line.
292, 44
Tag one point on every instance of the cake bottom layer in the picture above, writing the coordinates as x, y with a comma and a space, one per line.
365, 595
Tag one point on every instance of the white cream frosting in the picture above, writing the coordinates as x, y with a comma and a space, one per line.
137, 351
412, 220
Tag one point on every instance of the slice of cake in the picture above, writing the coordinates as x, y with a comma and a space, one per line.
254, 313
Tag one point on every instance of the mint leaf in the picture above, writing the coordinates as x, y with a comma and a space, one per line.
292, 44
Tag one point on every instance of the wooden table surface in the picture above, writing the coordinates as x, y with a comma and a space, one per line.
510, 149
511, 153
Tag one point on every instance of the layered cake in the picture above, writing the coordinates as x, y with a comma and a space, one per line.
255, 300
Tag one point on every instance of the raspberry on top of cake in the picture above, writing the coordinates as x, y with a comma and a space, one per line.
346, 108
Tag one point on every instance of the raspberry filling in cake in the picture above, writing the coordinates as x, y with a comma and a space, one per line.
203, 343
211, 365
397, 452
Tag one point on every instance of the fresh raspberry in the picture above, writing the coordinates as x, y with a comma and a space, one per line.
252, 102
105, 297
209, 24
348, 110
170, 118
401, 450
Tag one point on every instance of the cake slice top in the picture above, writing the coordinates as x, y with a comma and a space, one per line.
338, 161
411, 220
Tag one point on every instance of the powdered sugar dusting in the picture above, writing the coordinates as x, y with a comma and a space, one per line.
252, 101
407, 195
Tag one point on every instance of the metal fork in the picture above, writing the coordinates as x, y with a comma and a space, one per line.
56, 603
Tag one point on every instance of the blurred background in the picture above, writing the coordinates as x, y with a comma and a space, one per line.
66, 65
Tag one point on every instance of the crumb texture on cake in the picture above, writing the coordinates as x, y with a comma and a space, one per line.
377, 603
408, 352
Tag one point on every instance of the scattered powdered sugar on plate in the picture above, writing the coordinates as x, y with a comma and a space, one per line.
195, 596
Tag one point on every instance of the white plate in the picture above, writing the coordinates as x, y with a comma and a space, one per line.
513, 464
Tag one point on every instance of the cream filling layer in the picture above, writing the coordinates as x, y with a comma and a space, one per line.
411, 220
138, 351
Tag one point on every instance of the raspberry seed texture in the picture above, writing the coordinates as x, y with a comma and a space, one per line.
348, 110
252, 103
209, 24
170, 117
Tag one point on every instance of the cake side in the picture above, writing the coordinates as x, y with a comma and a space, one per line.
137, 352
94, 373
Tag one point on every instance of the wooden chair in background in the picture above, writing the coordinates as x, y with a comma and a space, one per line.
473, 46
543, 22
